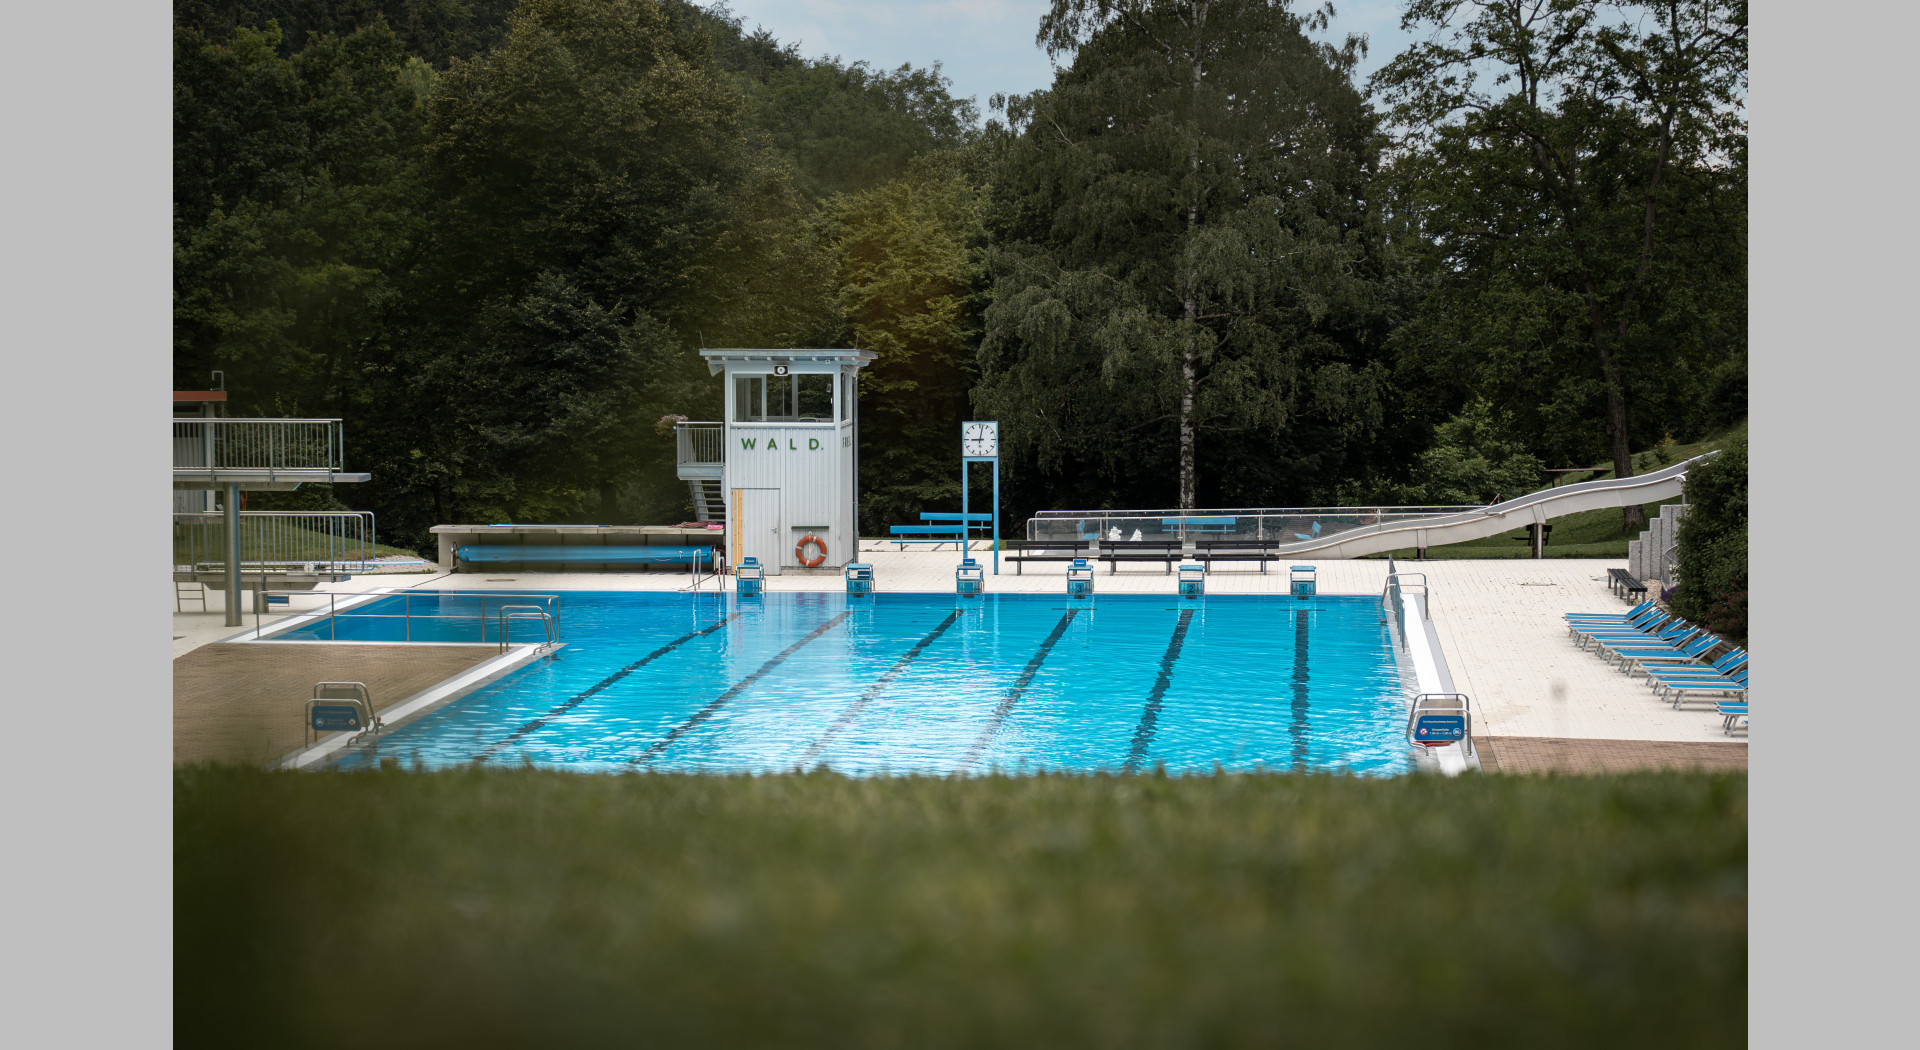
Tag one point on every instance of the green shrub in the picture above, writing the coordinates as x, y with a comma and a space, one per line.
1713, 545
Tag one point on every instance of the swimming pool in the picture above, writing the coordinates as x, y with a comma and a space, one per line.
927, 684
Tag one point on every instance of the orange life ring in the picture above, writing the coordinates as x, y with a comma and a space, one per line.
800, 550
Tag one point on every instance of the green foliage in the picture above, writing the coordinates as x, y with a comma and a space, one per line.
437, 31
907, 255
1183, 252
1473, 460
1713, 545
1572, 184
538, 908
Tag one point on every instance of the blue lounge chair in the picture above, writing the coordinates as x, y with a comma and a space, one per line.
1693, 647
1731, 713
1673, 632
1679, 691
1649, 628
1724, 667
1632, 614
1727, 663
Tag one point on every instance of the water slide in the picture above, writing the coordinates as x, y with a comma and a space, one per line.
1499, 518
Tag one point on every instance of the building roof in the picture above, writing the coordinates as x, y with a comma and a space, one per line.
718, 358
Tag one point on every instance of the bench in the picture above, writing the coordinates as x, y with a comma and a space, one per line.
1116, 551
1262, 551
1218, 525
1044, 550
1622, 583
935, 534
582, 554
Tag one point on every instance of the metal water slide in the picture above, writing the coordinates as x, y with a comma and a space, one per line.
1499, 518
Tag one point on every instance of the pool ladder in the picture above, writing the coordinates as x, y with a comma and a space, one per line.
510, 613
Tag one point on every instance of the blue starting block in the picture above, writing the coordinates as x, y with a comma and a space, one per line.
859, 578
1300, 581
749, 577
969, 577
1080, 579
1439, 719
1193, 581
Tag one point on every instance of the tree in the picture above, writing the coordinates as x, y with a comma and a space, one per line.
1713, 545
1185, 245
1585, 203
907, 257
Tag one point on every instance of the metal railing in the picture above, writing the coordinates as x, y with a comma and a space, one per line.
1390, 598
305, 446
509, 613
548, 605
700, 443
1281, 524
322, 540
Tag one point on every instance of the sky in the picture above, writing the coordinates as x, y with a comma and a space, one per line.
986, 46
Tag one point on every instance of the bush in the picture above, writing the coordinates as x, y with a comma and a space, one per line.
1713, 545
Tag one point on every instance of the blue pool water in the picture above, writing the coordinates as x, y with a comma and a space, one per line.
919, 683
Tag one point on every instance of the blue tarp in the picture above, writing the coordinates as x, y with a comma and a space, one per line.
585, 555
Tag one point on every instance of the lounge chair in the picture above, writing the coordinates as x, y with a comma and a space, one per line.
1731, 713
1726, 664
1679, 691
1693, 647
1631, 614
1671, 633
1650, 628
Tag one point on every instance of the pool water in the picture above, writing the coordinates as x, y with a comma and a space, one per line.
924, 684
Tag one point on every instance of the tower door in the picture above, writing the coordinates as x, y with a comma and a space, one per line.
755, 528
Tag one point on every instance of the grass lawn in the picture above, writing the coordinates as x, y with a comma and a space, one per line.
1589, 534
533, 908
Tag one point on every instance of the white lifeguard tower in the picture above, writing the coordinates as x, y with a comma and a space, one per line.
788, 456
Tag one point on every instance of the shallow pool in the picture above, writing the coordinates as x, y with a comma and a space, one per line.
924, 683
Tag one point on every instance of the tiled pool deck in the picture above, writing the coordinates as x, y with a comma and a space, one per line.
1499, 623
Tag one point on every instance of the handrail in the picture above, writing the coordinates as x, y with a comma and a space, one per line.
406, 613
207, 445
699, 442
508, 613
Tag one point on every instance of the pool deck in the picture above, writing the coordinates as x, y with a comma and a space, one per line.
1545, 704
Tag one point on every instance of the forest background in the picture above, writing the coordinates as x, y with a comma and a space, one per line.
1204, 268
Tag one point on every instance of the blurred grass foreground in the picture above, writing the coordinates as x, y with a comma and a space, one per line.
533, 908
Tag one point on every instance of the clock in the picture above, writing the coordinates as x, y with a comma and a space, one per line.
980, 438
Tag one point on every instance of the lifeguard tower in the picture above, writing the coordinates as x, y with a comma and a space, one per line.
788, 456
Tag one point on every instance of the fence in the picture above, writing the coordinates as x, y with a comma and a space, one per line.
325, 540
1282, 524
410, 616
701, 442
271, 445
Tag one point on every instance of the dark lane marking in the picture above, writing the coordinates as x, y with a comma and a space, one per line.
1143, 734
720, 701
1299, 726
879, 685
1014, 694
602, 684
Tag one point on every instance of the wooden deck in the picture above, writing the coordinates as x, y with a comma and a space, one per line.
247, 702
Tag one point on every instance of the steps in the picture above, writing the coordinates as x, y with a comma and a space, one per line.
709, 500
1650, 557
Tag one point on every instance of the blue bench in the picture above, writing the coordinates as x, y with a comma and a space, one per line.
528, 554
936, 534
1221, 524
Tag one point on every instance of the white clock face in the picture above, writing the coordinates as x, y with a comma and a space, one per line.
980, 438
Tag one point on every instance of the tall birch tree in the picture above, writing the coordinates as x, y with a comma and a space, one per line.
1184, 243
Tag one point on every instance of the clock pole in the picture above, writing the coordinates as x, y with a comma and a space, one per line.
980, 442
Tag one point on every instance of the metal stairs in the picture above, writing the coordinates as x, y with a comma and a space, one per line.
709, 499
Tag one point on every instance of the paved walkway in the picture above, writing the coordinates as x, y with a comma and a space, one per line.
1499, 623
1533, 754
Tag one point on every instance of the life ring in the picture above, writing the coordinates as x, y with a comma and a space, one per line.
800, 550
